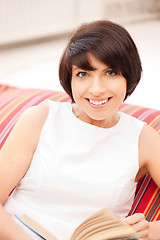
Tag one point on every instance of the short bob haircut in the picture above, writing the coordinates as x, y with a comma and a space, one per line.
108, 42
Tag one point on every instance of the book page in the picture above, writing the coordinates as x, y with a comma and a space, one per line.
102, 226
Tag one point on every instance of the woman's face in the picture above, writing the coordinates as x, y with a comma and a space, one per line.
97, 93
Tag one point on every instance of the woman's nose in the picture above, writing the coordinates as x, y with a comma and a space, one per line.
97, 87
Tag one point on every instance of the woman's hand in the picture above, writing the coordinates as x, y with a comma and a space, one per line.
139, 224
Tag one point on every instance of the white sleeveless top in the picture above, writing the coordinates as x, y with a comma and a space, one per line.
78, 169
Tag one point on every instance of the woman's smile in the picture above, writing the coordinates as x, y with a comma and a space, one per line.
98, 103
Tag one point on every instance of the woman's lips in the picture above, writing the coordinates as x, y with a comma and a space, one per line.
98, 103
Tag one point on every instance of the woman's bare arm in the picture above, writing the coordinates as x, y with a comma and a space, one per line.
149, 161
15, 158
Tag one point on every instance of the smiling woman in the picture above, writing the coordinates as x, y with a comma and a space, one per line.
69, 160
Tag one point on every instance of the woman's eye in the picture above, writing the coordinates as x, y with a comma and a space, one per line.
111, 73
82, 74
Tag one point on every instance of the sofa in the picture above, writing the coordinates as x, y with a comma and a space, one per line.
14, 101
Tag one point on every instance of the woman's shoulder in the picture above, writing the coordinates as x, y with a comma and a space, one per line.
131, 123
31, 123
149, 141
35, 116
149, 151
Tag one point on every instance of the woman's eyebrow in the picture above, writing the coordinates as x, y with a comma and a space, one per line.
75, 68
106, 69
78, 68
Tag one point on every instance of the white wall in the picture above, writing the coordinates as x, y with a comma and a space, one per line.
22, 20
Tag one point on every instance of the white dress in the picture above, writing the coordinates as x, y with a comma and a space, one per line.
78, 169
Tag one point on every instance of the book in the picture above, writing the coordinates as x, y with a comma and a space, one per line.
100, 226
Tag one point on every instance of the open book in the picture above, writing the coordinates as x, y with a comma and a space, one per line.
100, 226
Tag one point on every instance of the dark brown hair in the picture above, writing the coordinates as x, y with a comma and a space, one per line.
108, 42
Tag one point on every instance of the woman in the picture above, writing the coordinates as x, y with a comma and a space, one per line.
67, 161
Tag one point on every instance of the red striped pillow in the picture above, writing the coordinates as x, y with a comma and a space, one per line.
14, 101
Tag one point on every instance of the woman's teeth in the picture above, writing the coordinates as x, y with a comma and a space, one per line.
98, 102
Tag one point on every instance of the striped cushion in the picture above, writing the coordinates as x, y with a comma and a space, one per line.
14, 101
